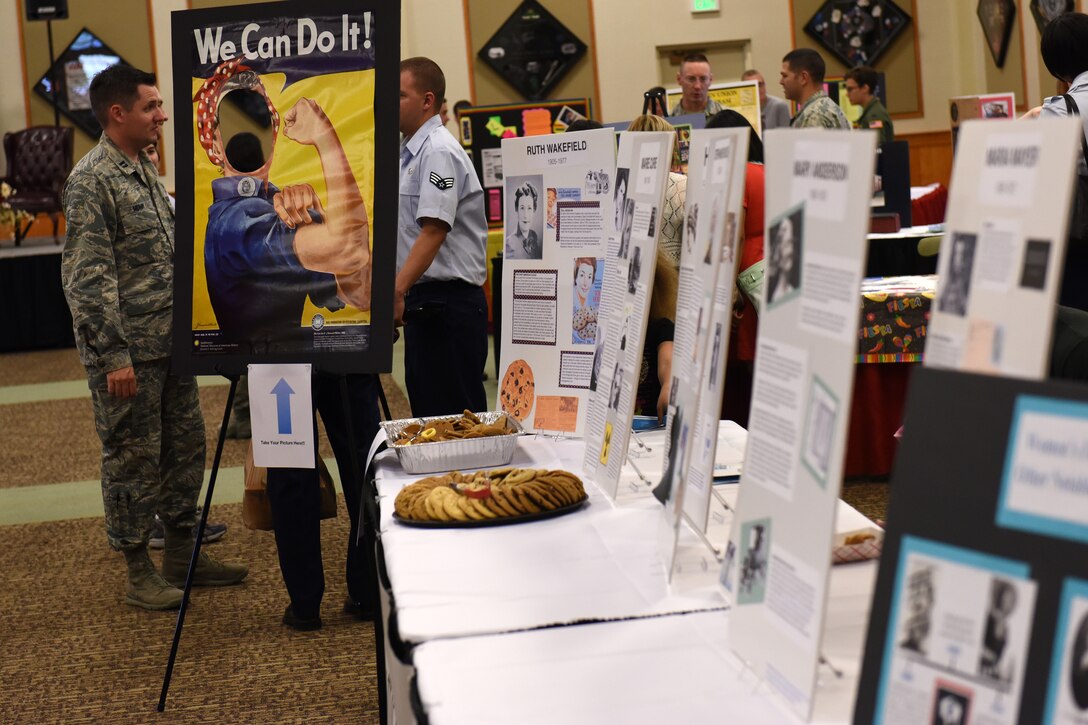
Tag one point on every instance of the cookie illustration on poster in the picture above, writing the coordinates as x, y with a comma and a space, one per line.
518, 391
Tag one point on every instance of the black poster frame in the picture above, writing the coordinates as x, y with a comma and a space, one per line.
385, 24
946, 489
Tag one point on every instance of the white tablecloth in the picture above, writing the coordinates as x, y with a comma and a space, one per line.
476, 603
601, 562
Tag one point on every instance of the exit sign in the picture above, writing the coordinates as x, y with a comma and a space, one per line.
705, 6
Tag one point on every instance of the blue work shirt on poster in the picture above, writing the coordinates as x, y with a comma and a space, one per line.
256, 283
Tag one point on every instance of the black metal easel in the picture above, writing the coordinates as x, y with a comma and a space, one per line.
368, 512
196, 545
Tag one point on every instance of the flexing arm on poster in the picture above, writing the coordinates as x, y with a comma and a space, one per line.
340, 246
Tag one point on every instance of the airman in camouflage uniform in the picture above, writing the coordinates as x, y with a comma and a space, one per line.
820, 111
802, 82
117, 271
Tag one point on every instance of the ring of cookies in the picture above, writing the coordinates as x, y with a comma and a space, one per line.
489, 496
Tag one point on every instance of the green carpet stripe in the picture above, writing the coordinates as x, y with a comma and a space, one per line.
68, 389
83, 499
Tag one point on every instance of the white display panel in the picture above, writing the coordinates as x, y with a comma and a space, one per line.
817, 214
557, 208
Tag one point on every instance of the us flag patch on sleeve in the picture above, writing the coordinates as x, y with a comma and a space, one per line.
440, 182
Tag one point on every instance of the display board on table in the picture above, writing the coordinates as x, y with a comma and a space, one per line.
1001, 258
742, 97
779, 557
684, 125
559, 192
296, 96
642, 168
704, 307
980, 612
483, 129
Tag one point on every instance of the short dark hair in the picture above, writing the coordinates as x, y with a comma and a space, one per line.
863, 75
461, 106
583, 124
427, 75
117, 84
1063, 46
728, 118
807, 60
525, 189
694, 58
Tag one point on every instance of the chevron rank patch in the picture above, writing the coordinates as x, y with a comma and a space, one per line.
440, 182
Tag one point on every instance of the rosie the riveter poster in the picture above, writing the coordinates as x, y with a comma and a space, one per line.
286, 245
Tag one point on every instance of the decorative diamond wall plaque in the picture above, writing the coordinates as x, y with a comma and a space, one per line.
857, 32
1046, 10
532, 50
997, 17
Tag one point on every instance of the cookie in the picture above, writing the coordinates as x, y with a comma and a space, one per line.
518, 391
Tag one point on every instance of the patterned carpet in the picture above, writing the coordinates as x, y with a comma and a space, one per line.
71, 651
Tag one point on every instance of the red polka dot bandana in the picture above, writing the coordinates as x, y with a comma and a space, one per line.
230, 75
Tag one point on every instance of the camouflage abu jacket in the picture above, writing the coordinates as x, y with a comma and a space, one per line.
820, 111
117, 265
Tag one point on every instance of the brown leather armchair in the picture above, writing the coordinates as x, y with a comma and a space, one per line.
39, 161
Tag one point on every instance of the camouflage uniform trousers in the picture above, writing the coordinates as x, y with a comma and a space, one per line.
152, 453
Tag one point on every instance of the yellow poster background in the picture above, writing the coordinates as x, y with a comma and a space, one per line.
742, 97
348, 100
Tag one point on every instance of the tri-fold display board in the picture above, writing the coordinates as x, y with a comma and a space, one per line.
981, 607
708, 260
1001, 259
559, 192
817, 213
642, 168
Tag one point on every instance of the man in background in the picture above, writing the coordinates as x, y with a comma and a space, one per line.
695, 78
773, 112
803, 83
861, 84
441, 254
118, 276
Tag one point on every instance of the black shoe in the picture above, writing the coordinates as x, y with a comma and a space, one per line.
360, 611
298, 623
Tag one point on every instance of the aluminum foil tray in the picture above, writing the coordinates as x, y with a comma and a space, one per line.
455, 455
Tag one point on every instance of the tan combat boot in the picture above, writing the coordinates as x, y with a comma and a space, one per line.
209, 571
146, 589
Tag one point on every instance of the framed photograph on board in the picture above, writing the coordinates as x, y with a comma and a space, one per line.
997, 17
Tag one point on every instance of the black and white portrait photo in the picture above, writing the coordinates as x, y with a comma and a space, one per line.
524, 217
919, 598
617, 384
785, 244
634, 269
954, 287
627, 223
995, 662
620, 198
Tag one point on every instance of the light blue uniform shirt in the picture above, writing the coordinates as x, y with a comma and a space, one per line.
437, 181
1055, 106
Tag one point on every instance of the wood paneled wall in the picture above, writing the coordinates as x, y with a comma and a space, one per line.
930, 157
